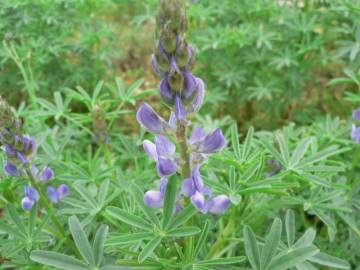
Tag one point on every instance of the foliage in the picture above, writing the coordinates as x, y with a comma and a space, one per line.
281, 80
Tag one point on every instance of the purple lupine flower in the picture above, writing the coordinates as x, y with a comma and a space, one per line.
11, 169
27, 204
356, 114
31, 197
56, 194
218, 205
32, 193
207, 144
150, 120
47, 174
180, 110
194, 188
155, 198
162, 152
355, 133
274, 166
196, 104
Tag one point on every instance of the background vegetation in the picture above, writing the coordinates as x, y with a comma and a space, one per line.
76, 71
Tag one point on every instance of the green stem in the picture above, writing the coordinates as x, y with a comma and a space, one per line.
228, 230
44, 201
185, 173
184, 153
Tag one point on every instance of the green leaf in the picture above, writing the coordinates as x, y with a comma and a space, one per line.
183, 216
272, 150
183, 231
98, 245
332, 150
284, 150
306, 239
300, 151
202, 239
247, 144
58, 260
138, 195
149, 248
128, 218
103, 191
81, 240
169, 202
290, 259
251, 248
222, 261
16, 219
235, 141
124, 239
330, 261
290, 227
271, 243
10, 230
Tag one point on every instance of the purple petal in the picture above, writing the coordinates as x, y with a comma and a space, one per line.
180, 111
356, 114
21, 158
27, 203
213, 142
190, 85
155, 65
63, 191
191, 56
154, 199
52, 194
196, 104
164, 147
174, 68
150, 120
355, 133
172, 121
219, 204
32, 193
187, 187
47, 174
166, 166
165, 90
198, 200
150, 149
197, 179
10, 151
11, 169
197, 135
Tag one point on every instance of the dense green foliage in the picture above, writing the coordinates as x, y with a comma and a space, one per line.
282, 78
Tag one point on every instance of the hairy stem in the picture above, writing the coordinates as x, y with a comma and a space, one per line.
184, 153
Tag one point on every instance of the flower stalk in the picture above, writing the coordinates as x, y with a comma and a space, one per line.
172, 61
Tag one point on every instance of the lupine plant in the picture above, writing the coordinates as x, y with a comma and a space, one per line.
104, 181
